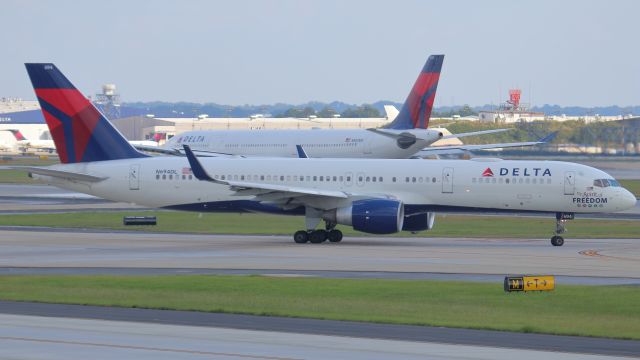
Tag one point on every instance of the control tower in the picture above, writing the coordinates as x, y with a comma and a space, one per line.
109, 101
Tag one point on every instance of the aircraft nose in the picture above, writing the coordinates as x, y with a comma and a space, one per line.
627, 200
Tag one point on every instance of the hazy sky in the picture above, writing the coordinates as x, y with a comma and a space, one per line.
260, 52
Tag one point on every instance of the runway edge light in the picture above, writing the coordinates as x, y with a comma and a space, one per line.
529, 283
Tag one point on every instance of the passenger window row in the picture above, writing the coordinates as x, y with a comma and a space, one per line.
493, 180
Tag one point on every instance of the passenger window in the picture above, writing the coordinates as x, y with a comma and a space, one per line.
157, 177
380, 179
506, 181
406, 179
262, 177
164, 177
420, 179
281, 177
190, 177
368, 179
393, 179
360, 178
184, 177
413, 179
335, 178
433, 180
341, 178
241, 177
348, 178
321, 178
170, 177
315, 178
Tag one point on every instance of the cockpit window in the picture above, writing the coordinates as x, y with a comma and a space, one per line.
606, 183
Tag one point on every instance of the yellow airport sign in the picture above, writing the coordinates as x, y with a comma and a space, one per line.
529, 283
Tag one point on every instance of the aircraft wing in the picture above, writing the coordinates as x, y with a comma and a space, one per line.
67, 175
157, 150
459, 149
262, 191
179, 152
474, 133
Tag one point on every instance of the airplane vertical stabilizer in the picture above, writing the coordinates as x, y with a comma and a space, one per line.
416, 111
80, 132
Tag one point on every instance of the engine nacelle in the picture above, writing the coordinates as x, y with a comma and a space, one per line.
373, 216
419, 222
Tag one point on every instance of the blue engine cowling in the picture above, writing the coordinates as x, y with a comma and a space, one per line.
373, 216
419, 222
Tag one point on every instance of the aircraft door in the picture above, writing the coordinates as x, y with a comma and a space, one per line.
447, 180
134, 177
569, 182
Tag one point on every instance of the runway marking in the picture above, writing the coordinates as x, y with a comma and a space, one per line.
132, 347
593, 253
596, 253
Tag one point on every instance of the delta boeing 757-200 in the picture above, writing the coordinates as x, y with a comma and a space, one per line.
377, 196
406, 136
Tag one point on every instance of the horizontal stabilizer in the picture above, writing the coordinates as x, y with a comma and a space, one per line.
67, 175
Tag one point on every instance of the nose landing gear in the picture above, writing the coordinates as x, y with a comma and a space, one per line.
561, 219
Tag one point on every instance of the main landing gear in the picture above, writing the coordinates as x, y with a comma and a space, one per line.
318, 236
561, 219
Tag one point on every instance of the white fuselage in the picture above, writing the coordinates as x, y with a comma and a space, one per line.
317, 143
430, 184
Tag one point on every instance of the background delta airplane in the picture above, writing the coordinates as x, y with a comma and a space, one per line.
378, 196
25, 144
406, 136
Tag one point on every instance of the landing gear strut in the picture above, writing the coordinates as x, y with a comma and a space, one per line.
561, 219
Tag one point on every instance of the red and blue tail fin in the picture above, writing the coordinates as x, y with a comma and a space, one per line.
80, 132
17, 134
416, 110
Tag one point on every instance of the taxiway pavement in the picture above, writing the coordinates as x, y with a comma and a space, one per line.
76, 248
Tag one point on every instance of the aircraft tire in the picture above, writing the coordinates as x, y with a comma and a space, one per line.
557, 240
317, 236
301, 237
334, 236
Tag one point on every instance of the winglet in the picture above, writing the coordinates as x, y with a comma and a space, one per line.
198, 171
301, 153
549, 137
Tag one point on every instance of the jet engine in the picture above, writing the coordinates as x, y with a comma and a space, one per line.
419, 222
373, 216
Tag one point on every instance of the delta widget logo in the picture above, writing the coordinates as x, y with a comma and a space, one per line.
487, 172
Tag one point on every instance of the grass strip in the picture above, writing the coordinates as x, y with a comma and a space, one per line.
248, 224
603, 311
